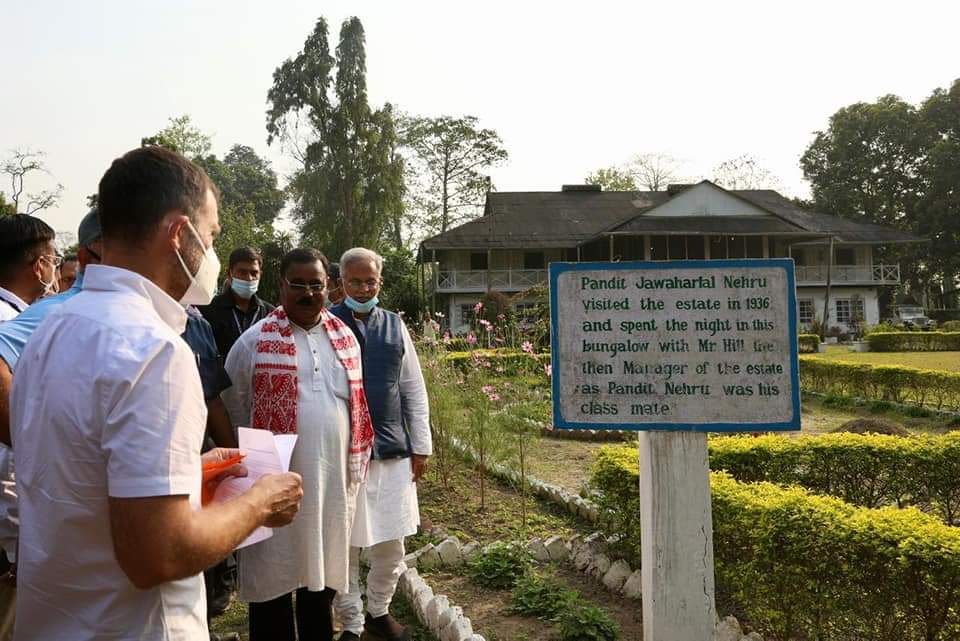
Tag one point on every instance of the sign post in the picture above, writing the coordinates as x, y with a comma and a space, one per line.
675, 350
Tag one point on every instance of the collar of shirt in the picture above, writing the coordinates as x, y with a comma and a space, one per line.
115, 279
18, 303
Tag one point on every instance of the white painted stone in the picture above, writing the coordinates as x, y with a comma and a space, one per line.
538, 550
676, 537
460, 629
590, 511
583, 559
728, 630
446, 617
420, 603
411, 559
449, 552
470, 549
617, 575
435, 609
556, 548
753, 636
633, 587
600, 565
406, 581
428, 557
437, 532
594, 541
476, 637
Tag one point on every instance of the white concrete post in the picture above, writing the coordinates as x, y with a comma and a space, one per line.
677, 537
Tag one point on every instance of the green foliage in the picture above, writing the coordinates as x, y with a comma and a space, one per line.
945, 341
587, 623
612, 179
870, 470
401, 290
245, 180
808, 343
499, 566
501, 362
540, 596
950, 326
803, 566
6, 208
350, 182
881, 382
181, 136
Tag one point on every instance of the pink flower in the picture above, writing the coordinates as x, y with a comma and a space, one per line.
488, 389
485, 323
471, 339
527, 346
478, 307
548, 370
446, 337
494, 397
501, 317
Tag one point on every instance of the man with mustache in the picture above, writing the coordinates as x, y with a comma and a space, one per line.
299, 371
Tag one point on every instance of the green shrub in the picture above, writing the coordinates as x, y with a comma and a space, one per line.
895, 383
808, 343
587, 623
499, 566
539, 596
914, 341
499, 362
803, 566
870, 470
950, 326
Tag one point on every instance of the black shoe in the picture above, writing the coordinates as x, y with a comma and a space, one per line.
385, 628
349, 636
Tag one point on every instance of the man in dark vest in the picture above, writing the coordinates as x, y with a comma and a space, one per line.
387, 509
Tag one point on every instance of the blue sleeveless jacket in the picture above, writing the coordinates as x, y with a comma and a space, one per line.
382, 349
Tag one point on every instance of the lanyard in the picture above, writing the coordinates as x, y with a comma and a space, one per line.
236, 319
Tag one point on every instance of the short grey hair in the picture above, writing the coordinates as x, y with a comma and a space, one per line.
358, 254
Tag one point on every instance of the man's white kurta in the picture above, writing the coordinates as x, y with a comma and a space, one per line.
106, 402
387, 509
313, 551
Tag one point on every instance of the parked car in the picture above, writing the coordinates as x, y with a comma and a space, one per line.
912, 317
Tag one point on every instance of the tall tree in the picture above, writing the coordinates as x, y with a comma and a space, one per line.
348, 184
612, 179
654, 170
744, 172
182, 136
17, 168
454, 156
245, 179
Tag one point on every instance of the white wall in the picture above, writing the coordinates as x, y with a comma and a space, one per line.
871, 306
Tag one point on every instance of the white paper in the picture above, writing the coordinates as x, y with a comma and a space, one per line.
266, 453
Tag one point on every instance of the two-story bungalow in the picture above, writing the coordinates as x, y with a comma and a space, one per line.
520, 233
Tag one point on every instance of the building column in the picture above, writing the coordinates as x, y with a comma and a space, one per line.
646, 246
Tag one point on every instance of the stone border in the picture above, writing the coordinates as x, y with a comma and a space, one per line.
592, 436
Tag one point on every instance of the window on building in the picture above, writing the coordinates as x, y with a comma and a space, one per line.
754, 246
658, 248
526, 313
805, 311
533, 260
718, 247
736, 247
695, 249
845, 256
466, 314
849, 310
478, 261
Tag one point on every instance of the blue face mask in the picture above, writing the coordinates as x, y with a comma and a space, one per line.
361, 308
245, 289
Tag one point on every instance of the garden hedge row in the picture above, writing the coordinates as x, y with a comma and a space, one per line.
870, 470
881, 382
808, 343
509, 361
914, 341
804, 567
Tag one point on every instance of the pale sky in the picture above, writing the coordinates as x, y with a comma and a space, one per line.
569, 86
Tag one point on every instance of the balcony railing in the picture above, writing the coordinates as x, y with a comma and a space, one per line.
848, 274
501, 280
515, 280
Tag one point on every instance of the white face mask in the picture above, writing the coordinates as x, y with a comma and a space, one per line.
51, 288
203, 284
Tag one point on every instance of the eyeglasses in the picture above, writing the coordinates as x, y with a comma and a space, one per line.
55, 260
305, 287
372, 283
93, 253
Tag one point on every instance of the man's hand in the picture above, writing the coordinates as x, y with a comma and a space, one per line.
419, 464
279, 497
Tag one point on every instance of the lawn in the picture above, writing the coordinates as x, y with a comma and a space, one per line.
948, 361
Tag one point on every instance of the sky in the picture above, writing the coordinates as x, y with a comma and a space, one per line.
570, 87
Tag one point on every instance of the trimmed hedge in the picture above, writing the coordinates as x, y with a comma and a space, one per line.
881, 382
803, 566
914, 341
808, 343
870, 470
511, 361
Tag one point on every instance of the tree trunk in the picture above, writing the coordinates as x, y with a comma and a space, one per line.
444, 206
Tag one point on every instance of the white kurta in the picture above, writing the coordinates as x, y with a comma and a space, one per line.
312, 552
387, 509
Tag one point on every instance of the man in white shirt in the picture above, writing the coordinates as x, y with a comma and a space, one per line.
28, 263
387, 509
113, 540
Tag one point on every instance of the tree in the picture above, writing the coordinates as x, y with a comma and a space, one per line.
351, 180
17, 167
181, 136
612, 179
654, 170
5, 207
244, 178
744, 172
453, 156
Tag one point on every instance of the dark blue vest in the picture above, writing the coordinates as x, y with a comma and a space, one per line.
382, 350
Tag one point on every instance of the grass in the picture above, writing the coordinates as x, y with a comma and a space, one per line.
947, 361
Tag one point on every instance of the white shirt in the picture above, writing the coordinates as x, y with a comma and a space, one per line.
106, 402
10, 304
313, 552
387, 509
